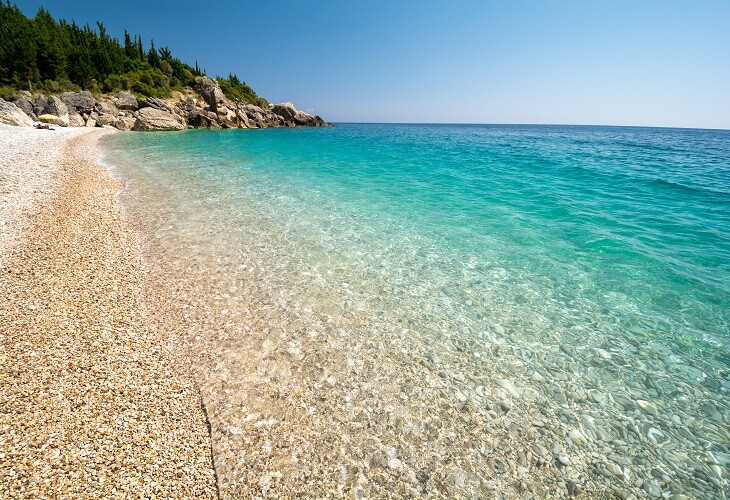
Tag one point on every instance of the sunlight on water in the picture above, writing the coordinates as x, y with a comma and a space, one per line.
448, 310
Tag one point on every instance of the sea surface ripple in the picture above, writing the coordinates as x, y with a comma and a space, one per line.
448, 310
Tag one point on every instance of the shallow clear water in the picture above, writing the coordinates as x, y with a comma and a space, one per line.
579, 275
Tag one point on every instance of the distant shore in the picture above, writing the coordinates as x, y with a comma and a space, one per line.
93, 402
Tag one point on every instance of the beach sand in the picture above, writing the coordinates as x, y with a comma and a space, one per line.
94, 401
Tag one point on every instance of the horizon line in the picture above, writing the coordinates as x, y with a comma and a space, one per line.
533, 124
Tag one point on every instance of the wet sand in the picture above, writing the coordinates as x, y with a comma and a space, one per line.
94, 400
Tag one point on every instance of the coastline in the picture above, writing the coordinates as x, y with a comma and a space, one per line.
95, 401
310, 382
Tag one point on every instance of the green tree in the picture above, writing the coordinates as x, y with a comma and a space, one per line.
129, 48
50, 54
59, 56
152, 57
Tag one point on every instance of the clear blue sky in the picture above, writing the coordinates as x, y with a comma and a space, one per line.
619, 62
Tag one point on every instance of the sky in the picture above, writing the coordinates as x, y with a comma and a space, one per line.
611, 62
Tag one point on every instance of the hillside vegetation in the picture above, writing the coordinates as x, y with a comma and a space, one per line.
42, 54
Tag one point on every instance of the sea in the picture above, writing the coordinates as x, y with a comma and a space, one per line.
394, 310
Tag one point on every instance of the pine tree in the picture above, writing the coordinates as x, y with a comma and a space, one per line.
152, 57
50, 56
140, 48
43, 52
129, 49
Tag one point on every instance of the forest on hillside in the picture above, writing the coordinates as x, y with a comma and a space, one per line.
42, 54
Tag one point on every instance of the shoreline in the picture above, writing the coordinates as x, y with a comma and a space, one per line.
310, 382
95, 400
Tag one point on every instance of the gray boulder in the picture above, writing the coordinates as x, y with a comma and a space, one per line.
200, 118
254, 113
153, 102
286, 110
23, 103
106, 119
105, 107
155, 119
188, 105
13, 115
125, 100
227, 117
243, 121
81, 102
75, 120
211, 92
55, 106
125, 123
91, 123
293, 116
39, 104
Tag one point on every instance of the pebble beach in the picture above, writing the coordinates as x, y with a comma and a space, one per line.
208, 329
94, 402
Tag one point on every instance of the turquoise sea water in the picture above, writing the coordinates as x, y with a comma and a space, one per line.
571, 274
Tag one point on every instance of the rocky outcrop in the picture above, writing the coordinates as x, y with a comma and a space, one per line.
24, 104
55, 106
254, 113
153, 102
81, 102
106, 107
126, 101
292, 116
106, 119
199, 118
39, 104
211, 93
125, 123
76, 121
13, 115
205, 106
155, 119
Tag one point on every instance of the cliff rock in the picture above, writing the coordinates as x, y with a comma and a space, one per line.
55, 106
39, 104
125, 100
199, 118
155, 119
210, 92
125, 123
106, 107
75, 120
82, 102
24, 104
13, 115
153, 102
292, 116
106, 119
203, 107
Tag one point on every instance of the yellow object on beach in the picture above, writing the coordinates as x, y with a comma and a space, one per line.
48, 118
